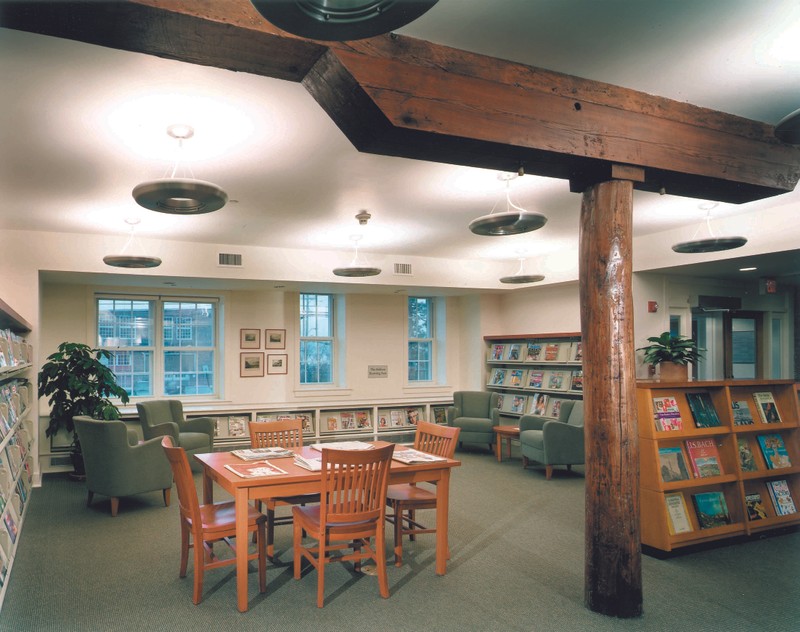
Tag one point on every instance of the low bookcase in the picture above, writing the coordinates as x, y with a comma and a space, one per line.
709, 459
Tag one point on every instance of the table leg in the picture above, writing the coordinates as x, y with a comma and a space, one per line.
508, 446
240, 498
442, 516
208, 488
498, 448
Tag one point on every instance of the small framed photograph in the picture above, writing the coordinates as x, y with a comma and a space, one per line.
274, 338
251, 364
276, 363
249, 338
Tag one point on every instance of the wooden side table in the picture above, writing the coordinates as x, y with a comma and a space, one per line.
504, 433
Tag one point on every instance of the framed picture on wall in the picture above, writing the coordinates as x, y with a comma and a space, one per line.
276, 363
251, 364
249, 338
274, 338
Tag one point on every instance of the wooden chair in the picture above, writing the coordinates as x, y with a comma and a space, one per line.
202, 525
284, 433
406, 499
351, 511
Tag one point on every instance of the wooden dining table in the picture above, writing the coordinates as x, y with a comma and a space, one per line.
299, 480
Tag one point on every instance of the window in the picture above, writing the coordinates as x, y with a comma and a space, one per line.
174, 354
420, 339
316, 338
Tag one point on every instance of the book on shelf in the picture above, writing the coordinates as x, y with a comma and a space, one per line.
741, 413
673, 465
534, 352
498, 377
498, 352
343, 445
781, 497
237, 426
554, 408
767, 408
256, 454
535, 378
577, 352
538, 404
410, 456
255, 469
712, 510
512, 353
747, 462
704, 457
501, 400
702, 409
439, 414
305, 418
551, 351
412, 416
397, 418
516, 377
312, 464
347, 420
362, 419
677, 514
557, 380
774, 450
332, 422
755, 506
667, 415
576, 381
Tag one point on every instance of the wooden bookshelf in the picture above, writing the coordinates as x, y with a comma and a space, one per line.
534, 372
743, 468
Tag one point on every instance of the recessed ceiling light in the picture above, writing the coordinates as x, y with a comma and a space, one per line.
748, 269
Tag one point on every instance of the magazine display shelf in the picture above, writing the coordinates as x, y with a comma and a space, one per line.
17, 437
363, 420
555, 359
734, 482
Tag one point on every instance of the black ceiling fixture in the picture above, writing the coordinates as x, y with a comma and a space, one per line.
341, 20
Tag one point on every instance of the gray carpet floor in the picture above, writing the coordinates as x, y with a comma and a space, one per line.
517, 564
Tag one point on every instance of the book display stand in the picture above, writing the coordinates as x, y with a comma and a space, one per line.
17, 437
534, 373
713, 466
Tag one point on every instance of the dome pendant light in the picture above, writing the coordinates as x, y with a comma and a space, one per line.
788, 128
513, 221
357, 269
341, 20
125, 260
180, 196
520, 277
710, 243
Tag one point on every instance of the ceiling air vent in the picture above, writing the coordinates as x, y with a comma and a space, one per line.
229, 260
402, 269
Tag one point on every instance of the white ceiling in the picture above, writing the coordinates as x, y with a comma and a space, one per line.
81, 125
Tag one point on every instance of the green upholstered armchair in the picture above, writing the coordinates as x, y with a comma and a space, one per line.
163, 417
117, 464
476, 413
553, 441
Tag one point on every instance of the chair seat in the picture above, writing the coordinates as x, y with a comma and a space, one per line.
474, 424
310, 517
194, 440
533, 438
410, 493
220, 516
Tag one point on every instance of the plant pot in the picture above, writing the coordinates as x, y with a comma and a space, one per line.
672, 372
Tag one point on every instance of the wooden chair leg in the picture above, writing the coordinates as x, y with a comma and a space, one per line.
199, 572
184, 548
270, 530
524, 462
380, 562
398, 536
297, 541
167, 492
321, 573
548, 472
412, 516
114, 506
262, 558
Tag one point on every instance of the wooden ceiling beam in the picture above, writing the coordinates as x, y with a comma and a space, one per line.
393, 95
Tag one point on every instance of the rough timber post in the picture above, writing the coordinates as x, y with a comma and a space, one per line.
613, 578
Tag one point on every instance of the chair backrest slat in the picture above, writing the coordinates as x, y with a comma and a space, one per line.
284, 433
436, 439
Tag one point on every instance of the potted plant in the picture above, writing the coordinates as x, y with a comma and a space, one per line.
671, 353
76, 382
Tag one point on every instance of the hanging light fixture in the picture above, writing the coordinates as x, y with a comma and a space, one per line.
180, 196
513, 221
341, 20
520, 277
127, 260
710, 243
356, 268
788, 128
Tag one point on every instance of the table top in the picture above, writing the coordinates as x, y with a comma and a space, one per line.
512, 430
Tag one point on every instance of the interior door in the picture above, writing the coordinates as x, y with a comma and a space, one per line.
743, 340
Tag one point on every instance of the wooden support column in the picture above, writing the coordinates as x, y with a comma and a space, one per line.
613, 577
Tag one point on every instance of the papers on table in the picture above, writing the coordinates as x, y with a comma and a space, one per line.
410, 455
259, 454
315, 464
255, 470
343, 445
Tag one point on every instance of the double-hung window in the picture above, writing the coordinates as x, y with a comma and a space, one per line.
160, 346
420, 339
316, 338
